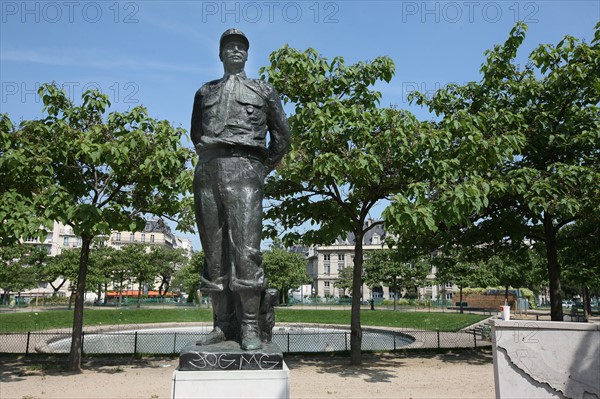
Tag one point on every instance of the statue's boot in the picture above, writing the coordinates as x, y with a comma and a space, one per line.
214, 337
250, 302
222, 321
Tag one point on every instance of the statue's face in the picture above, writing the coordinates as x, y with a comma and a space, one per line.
234, 54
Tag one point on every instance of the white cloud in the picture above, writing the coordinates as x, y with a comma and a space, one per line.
87, 58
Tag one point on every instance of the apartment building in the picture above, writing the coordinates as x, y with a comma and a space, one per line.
62, 237
325, 262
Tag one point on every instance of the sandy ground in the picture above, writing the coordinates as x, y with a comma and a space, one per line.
459, 374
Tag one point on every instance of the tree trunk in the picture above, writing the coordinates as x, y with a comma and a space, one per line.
587, 305
355, 327
556, 312
56, 289
444, 294
77, 336
506, 295
139, 296
121, 290
167, 286
105, 291
99, 293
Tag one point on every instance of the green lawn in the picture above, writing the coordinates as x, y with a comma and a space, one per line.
54, 319
416, 320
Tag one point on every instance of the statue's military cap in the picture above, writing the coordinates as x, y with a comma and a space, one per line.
233, 34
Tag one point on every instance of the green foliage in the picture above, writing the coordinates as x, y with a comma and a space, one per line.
581, 253
547, 113
340, 164
104, 263
580, 257
18, 267
188, 276
345, 155
93, 171
345, 277
137, 265
20, 189
104, 174
348, 155
284, 270
390, 268
164, 262
454, 266
64, 265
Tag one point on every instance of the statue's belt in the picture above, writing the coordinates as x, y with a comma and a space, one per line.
255, 153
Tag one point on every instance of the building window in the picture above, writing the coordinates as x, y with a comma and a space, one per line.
327, 284
151, 237
78, 241
448, 285
326, 264
65, 241
377, 292
449, 295
132, 237
375, 239
341, 257
117, 236
143, 237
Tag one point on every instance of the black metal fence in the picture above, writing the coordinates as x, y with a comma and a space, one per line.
324, 340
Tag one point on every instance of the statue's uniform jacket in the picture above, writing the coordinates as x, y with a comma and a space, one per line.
230, 121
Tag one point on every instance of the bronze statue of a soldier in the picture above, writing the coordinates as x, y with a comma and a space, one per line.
230, 121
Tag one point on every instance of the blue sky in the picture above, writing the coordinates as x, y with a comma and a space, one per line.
158, 53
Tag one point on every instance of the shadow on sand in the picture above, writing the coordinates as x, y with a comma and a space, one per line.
375, 366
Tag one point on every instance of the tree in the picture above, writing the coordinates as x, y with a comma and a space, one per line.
390, 268
96, 174
552, 104
17, 268
53, 271
166, 261
348, 156
345, 278
341, 162
453, 267
284, 270
581, 258
136, 260
514, 267
188, 276
102, 262
23, 189
64, 266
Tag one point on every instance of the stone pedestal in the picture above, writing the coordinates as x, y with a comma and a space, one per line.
225, 371
232, 384
228, 356
541, 359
